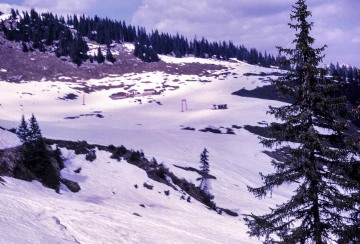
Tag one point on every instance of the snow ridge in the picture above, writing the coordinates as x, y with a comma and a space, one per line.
8, 139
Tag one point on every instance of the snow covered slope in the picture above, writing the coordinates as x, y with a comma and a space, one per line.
108, 209
103, 210
8, 139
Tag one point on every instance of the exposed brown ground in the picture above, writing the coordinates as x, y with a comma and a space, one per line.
36, 66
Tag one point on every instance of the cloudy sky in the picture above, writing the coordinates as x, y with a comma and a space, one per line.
255, 23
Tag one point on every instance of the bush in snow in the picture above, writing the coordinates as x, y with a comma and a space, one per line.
90, 155
162, 171
36, 156
136, 156
117, 152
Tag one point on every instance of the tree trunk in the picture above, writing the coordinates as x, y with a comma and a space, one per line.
317, 221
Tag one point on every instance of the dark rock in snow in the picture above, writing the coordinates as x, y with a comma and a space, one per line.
71, 185
136, 214
265, 92
228, 212
150, 187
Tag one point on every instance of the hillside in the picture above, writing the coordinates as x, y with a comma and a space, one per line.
147, 137
152, 122
35, 66
164, 109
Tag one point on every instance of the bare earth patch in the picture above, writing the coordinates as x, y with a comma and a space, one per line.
18, 66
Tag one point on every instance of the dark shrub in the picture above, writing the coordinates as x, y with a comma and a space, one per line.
207, 200
38, 159
153, 162
121, 150
111, 148
90, 155
212, 130
13, 130
117, 152
59, 158
70, 96
230, 131
162, 171
147, 186
135, 156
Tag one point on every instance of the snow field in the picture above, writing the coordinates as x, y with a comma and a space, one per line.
103, 210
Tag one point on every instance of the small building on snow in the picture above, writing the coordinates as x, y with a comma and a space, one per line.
220, 106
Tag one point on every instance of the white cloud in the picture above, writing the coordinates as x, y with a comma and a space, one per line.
113, 9
216, 20
5, 7
61, 6
255, 23
56, 6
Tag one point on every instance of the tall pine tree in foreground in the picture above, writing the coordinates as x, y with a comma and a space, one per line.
321, 158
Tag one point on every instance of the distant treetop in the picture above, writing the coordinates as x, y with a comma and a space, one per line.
46, 30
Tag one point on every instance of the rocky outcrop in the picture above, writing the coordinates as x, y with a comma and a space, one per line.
71, 185
33, 162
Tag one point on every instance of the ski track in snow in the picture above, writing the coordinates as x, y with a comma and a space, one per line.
105, 209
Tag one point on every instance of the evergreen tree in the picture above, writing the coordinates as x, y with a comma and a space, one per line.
35, 154
41, 30
207, 197
25, 48
145, 53
34, 129
357, 75
100, 57
350, 76
23, 130
109, 56
322, 165
78, 50
13, 13
205, 169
